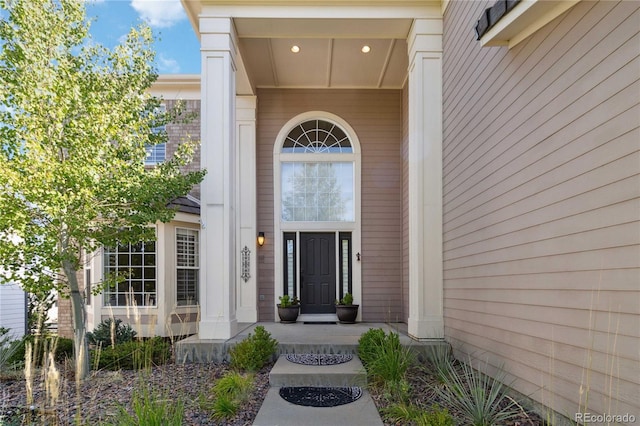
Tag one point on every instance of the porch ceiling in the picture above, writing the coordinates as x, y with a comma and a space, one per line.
330, 35
330, 54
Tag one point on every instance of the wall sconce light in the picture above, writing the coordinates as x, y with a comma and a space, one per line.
260, 239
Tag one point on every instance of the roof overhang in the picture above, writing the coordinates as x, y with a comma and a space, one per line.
330, 35
177, 86
526, 17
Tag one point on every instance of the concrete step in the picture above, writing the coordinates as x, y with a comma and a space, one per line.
275, 411
297, 338
286, 373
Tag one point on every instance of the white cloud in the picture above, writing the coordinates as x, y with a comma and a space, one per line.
167, 65
159, 13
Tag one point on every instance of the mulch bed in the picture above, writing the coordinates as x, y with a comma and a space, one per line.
423, 394
102, 395
104, 392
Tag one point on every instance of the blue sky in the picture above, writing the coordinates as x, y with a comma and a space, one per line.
177, 47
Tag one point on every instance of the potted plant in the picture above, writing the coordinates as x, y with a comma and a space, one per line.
288, 309
346, 311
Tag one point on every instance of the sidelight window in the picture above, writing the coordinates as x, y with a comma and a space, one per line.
290, 257
345, 264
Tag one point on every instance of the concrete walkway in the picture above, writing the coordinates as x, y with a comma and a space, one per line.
301, 338
275, 411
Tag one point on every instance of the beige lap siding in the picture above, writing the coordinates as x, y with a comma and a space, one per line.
541, 204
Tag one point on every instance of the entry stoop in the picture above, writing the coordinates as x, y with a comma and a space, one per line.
286, 373
276, 411
297, 338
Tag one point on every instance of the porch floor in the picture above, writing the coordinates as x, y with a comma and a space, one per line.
297, 338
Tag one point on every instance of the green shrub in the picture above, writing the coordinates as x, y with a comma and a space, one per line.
152, 409
133, 355
386, 360
395, 390
412, 414
224, 407
254, 352
436, 417
18, 354
107, 330
63, 348
230, 392
234, 384
286, 301
401, 413
8, 349
347, 299
439, 356
368, 345
477, 396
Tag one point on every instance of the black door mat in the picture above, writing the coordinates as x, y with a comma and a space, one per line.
320, 396
319, 359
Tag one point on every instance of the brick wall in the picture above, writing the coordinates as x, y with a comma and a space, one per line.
180, 132
65, 322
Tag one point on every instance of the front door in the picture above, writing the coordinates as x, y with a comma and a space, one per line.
317, 273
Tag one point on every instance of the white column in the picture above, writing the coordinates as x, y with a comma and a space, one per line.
425, 180
218, 189
246, 287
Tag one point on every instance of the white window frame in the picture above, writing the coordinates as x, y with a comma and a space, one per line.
153, 302
156, 154
186, 267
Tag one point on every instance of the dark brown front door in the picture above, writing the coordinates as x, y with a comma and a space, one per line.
317, 273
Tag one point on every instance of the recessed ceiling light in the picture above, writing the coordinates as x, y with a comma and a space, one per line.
366, 49
295, 48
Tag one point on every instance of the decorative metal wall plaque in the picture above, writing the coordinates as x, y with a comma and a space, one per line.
246, 264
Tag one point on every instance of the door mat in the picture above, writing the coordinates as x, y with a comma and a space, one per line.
320, 396
319, 359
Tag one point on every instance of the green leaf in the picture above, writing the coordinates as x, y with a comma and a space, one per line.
75, 118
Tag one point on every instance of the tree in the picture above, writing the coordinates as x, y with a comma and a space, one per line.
75, 119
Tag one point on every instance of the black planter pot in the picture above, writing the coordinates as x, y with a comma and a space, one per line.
347, 314
288, 314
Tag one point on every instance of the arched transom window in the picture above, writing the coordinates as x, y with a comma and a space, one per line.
317, 136
317, 174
